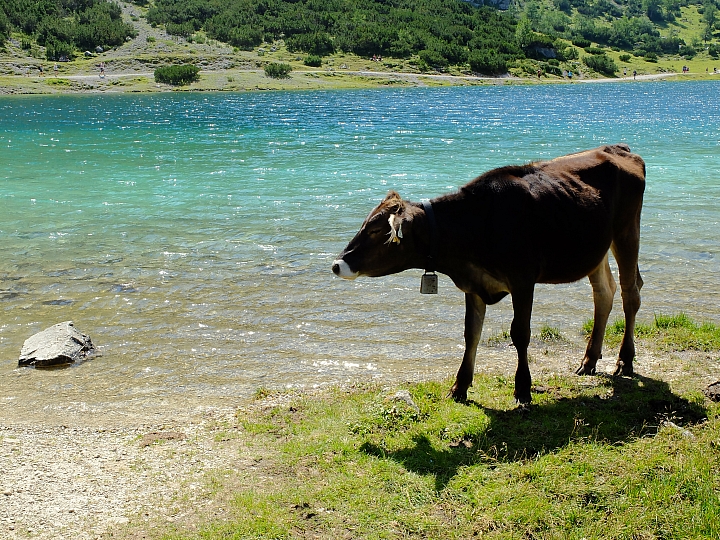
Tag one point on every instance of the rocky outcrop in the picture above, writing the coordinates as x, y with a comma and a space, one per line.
60, 344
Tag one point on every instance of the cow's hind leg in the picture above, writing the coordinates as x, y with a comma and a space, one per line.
474, 319
604, 288
626, 254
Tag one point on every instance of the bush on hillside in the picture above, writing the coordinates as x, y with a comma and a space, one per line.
177, 75
318, 43
55, 50
4, 26
688, 51
312, 60
601, 63
433, 59
581, 42
487, 62
278, 71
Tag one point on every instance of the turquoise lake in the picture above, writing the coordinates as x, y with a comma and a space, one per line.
191, 235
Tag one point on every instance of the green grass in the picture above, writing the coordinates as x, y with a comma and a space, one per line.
550, 334
582, 462
667, 332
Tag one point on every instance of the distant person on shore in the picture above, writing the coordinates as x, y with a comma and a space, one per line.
634, 74
55, 69
102, 70
40, 69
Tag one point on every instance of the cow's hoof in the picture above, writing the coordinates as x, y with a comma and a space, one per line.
585, 370
522, 398
623, 370
460, 396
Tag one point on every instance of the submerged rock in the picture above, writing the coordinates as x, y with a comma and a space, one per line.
60, 344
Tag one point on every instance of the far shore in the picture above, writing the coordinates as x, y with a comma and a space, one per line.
238, 80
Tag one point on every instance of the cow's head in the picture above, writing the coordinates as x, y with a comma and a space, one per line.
384, 244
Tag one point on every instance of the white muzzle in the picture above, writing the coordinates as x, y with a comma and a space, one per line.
341, 269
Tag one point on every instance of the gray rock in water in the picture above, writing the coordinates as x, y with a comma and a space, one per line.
59, 344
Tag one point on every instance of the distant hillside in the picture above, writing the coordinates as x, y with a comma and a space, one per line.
433, 34
64, 27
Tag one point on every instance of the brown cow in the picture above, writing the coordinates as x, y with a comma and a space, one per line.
546, 222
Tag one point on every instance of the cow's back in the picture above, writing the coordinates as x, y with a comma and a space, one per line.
554, 218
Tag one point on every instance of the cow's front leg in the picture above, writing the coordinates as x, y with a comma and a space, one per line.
520, 334
474, 318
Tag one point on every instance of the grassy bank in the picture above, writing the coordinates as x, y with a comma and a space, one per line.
593, 457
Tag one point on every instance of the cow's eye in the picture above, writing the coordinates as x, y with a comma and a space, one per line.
374, 231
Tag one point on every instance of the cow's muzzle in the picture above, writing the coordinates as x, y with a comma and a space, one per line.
342, 269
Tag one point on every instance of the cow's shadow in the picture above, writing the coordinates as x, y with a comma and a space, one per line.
633, 407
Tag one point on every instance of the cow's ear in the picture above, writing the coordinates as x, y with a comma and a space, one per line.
393, 203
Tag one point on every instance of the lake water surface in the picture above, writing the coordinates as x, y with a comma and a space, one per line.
191, 235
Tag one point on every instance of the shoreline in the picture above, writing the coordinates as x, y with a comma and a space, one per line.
243, 80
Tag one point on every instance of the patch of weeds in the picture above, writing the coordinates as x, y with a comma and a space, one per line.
58, 82
550, 334
667, 332
261, 393
500, 338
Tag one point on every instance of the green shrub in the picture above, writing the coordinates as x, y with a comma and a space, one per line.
625, 57
177, 75
433, 58
594, 50
313, 60
54, 49
488, 62
601, 63
278, 70
581, 42
243, 37
4, 26
318, 43
568, 53
651, 57
714, 50
688, 51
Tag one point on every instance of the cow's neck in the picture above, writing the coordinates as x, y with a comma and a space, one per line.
431, 255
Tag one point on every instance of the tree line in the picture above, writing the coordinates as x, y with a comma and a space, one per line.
441, 32
436, 33
65, 27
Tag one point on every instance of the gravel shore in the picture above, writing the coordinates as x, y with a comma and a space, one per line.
84, 483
